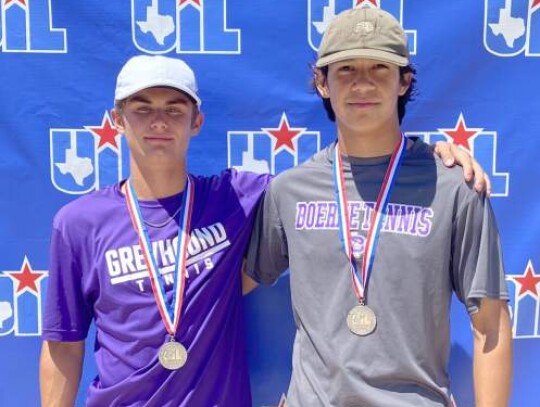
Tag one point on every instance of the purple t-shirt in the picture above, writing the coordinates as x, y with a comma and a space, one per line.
97, 272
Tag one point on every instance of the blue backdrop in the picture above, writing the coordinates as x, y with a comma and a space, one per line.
479, 86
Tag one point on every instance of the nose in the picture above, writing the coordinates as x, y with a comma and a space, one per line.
362, 81
158, 120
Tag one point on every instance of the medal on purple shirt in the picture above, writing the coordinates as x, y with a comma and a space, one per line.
172, 355
361, 319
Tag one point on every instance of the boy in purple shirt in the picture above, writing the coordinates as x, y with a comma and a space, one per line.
168, 309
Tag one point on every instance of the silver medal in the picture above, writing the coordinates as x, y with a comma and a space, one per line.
172, 355
361, 320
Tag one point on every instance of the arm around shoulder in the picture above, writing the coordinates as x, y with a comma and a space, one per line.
492, 353
60, 372
451, 154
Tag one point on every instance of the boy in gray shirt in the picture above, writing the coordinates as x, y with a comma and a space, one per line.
377, 234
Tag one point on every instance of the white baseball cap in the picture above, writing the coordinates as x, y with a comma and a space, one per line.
144, 71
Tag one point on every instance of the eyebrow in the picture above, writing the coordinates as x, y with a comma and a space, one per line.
142, 99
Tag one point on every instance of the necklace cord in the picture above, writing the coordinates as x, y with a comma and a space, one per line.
166, 221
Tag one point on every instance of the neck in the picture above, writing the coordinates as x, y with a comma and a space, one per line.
366, 145
151, 183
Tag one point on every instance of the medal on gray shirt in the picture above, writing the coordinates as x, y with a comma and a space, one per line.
361, 319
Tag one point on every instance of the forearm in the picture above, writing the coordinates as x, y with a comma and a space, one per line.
248, 284
60, 372
493, 362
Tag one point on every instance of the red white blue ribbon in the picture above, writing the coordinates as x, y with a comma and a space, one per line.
170, 312
360, 279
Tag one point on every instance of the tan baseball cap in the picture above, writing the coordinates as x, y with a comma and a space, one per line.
145, 71
364, 33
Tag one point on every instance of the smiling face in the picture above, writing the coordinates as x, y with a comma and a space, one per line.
158, 124
363, 94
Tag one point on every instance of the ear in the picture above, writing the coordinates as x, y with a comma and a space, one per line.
118, 121
197, 123
321, 84
405, 82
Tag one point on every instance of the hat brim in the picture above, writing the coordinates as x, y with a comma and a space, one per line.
375, 54
131, 91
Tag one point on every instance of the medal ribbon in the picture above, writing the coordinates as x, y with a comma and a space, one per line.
360, 279
170, 313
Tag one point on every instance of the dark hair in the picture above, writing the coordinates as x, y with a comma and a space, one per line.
402, 100
119, 105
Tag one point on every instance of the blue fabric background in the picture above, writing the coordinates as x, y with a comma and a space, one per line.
478, 76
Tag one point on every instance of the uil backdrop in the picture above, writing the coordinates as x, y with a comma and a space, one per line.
478, 78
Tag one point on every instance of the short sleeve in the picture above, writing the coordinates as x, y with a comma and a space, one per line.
67, 316
268, 254
477, 263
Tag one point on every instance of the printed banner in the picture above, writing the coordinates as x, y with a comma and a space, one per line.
478, 86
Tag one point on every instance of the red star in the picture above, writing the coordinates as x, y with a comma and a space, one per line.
26, 278
360, 2
528, 281
534, 4
461, 134
106, 133
195, 2
21, 2
284, 135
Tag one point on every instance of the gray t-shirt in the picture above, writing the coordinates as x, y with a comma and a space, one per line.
439, 237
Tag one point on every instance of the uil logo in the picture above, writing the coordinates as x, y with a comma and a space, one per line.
321, 12
88, 158
512, 27
481, 143
21, 298
183, 26
525, 302
26, 26
271, 150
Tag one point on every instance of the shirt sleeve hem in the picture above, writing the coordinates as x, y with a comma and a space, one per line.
474, 298
62, 336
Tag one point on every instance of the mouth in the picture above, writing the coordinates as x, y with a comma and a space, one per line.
361, 104
158, 139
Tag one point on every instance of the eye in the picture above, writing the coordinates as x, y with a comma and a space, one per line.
143, 109
345, 68
380, 67
173, 111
